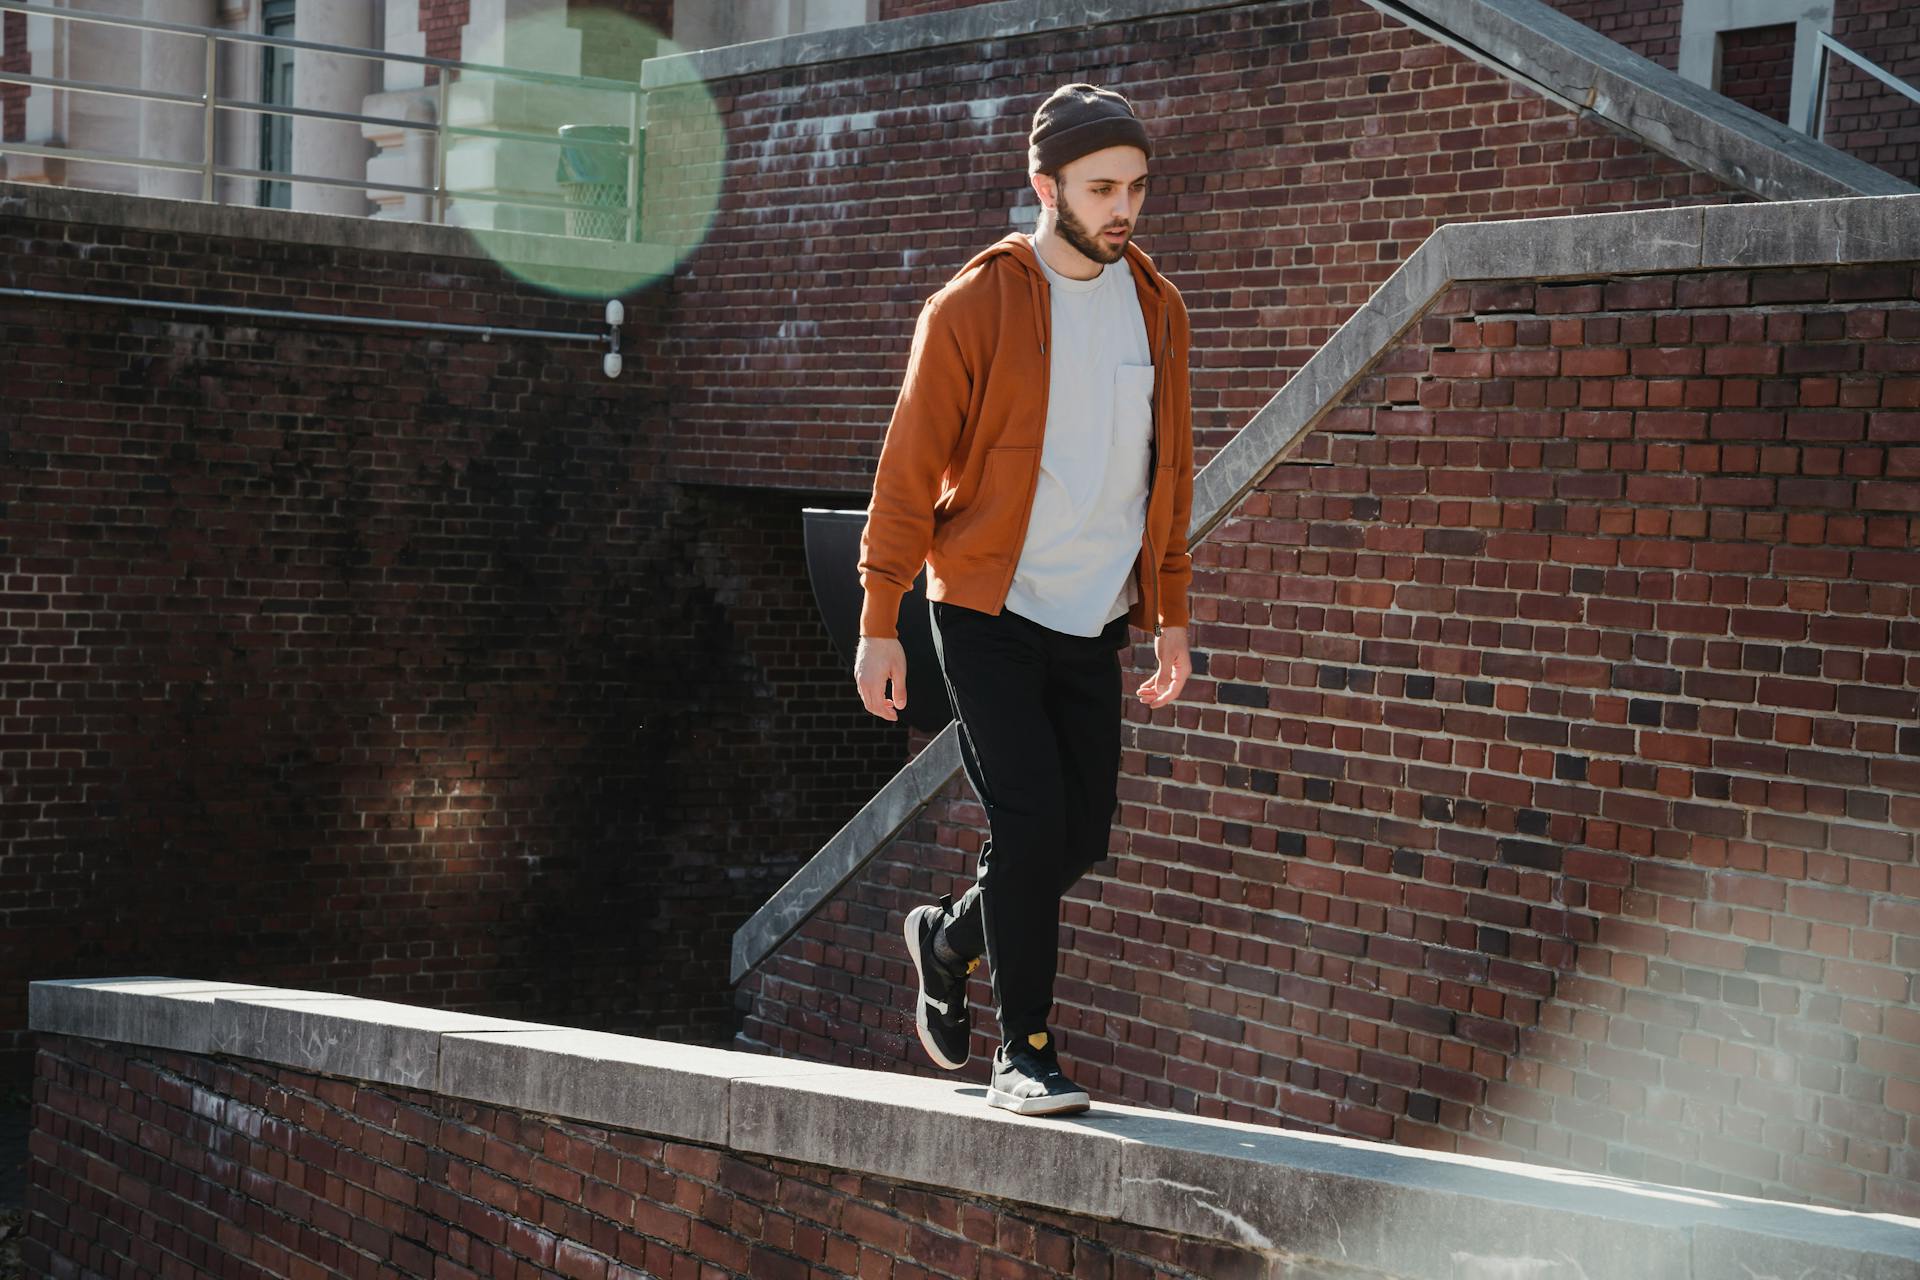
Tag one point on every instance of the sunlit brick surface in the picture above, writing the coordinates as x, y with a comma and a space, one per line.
1552, 785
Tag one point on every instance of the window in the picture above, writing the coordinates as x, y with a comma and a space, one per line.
276, 88
1711, 29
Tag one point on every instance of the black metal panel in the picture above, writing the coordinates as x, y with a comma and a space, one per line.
833, 565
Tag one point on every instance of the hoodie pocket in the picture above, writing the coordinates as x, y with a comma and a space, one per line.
978, 529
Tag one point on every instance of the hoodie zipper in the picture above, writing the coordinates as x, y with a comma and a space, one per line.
1037, 291
1152, 561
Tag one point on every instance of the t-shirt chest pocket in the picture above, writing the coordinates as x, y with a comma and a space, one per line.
1133, 415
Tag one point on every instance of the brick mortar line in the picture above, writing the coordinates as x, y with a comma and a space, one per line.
1592, 754
1547, 682
1522, 930
1804, 985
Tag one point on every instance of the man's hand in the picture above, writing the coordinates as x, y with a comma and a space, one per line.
1175, 664
876, 662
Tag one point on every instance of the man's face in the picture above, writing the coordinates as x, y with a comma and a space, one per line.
1096, 201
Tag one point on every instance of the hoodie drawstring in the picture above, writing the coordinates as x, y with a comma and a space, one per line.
1036, 293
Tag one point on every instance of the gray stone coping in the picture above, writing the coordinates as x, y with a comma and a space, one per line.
243, 222
1354, 1207
1807, 233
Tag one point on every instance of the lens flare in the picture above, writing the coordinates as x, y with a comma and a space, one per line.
550, 201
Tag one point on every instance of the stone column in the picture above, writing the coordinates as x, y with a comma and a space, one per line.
47, 46
332, 82
404, 156
172, 64
532, 35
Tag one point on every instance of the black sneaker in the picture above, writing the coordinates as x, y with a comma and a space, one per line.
1028, 1081
941, 1014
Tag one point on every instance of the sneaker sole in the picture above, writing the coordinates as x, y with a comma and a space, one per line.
911, 929
1059, 1104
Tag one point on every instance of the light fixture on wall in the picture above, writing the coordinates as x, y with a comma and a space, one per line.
616, 312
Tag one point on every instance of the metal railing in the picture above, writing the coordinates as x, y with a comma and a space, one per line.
211, 104
1816, 125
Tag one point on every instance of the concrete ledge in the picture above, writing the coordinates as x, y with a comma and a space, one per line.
168, 1013
396, 1044
1351, 1207
239, 222
933, 1132
673, 1090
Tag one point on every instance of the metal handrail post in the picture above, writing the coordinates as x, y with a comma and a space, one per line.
440, 148
1817, 108
206, 131
633, 171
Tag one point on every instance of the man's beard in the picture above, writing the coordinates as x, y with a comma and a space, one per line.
1075, 233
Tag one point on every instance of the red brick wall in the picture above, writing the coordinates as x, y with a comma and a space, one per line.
1756, 69
148, 1163
1551, 786
1651, 28
1305, 149
1864, 117
387, 662
657, 14
442, 21
914, 8
13, 97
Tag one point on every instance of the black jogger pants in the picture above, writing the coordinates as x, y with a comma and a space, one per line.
1039, 716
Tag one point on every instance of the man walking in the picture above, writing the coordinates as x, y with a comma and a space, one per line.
1040, 463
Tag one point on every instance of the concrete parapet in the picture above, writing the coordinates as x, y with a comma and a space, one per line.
379, 235
166, 1013
1308, 1203
342, 1035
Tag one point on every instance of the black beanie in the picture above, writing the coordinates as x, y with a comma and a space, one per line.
1077, 120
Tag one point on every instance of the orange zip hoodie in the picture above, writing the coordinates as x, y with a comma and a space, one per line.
961, 461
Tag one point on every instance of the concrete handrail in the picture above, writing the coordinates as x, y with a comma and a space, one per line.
1360, 1207
1704, 238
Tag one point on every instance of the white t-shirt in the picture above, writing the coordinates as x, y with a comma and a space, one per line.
1076, 567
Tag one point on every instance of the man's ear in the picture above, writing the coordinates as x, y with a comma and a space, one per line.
1043, 186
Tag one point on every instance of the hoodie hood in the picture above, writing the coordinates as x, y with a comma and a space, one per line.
1015, 251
